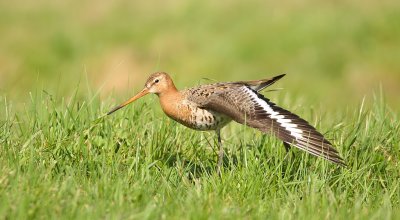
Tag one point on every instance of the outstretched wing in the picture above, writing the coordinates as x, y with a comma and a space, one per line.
245, 105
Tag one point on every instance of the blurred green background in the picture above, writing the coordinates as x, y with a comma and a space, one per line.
334, 52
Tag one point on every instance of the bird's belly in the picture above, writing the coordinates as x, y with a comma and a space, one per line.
198, 118
190, 115
205, 120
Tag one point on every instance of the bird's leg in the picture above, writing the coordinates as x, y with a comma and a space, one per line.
287, 147
220, 152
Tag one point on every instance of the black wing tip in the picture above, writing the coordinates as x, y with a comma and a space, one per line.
334, 157
330, 154
276, 78
343, 164
279, 76
339, 161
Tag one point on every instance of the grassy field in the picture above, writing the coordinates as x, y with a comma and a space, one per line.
64, 159
64, 64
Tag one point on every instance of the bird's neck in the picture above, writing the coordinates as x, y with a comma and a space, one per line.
170, 100
169, 92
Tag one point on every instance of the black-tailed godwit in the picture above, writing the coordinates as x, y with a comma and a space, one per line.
212, 106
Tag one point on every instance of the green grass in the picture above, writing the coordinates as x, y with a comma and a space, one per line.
62, 159
59, 158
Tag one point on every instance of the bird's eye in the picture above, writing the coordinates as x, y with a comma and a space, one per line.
156, 81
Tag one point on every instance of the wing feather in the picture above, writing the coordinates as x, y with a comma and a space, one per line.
245, 105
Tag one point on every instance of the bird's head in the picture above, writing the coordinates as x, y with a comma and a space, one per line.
157, 83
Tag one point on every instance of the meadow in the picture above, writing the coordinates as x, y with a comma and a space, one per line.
64, 64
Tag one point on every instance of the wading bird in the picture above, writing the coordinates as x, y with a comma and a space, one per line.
212, 106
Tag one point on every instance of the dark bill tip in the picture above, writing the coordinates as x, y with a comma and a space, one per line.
114, 109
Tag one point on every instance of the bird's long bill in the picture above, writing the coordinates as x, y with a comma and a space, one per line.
142, 93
